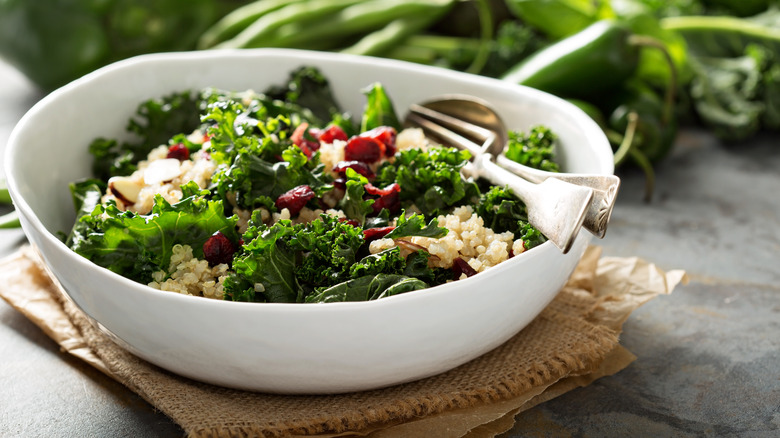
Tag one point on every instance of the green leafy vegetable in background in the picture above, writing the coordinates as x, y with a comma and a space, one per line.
737, 96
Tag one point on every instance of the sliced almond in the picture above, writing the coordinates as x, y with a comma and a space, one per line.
162, 170
124, 189
408, 247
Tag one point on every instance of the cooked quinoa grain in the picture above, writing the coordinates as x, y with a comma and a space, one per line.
468, 239
190, 276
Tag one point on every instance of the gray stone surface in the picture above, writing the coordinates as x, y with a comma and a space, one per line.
708, 356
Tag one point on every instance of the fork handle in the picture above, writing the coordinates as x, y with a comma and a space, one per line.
556, 208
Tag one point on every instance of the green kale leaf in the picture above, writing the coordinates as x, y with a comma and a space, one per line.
86, 196
379, 109
534, 149
415, 225
291, 260
353, 204
154, 123
308, 88
256, 182
135, 245
430, 179
370, 287
502, 211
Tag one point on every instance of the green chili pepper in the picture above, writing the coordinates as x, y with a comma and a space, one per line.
583, 65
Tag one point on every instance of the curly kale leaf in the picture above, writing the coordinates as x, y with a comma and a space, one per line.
256, 182
86, 196
379, 109
297, 263
430, 179
534, 149
291, 260
388, 261
154, 123
502, 211
415, 225
370, 287
307, 88
353, 204
137, 245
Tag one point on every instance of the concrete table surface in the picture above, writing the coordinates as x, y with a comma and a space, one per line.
708, 355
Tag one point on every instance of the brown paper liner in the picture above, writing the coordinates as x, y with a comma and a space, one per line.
571, 343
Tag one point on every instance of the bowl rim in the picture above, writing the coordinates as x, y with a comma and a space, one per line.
27, 213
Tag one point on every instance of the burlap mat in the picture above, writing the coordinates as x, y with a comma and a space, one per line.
571, 343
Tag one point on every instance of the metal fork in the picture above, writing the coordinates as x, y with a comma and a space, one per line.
556, 208
605, 187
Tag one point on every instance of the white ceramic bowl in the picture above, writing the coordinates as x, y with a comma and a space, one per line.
286, 348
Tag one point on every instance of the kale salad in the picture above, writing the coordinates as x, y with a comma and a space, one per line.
281, 196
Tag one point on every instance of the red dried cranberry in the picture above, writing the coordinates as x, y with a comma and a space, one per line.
359, 167
295, 199
340, 183
352, 222
331, 133
391, 202
218, 249
299, 139
387, 197
370, 234
374, 190
460, 266
364, 149
178, 151
386, 135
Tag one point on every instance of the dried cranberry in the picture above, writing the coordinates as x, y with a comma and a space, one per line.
331, 133
218, 249
295, 199
374, 190
359, 167
370, 234
460, 266
387, 197
364, 149
299, 138
178, 151
340, 183
386, 135
352, 222
391, 202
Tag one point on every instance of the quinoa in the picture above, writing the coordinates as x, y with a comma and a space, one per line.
198, 169
468, 238
190, 276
